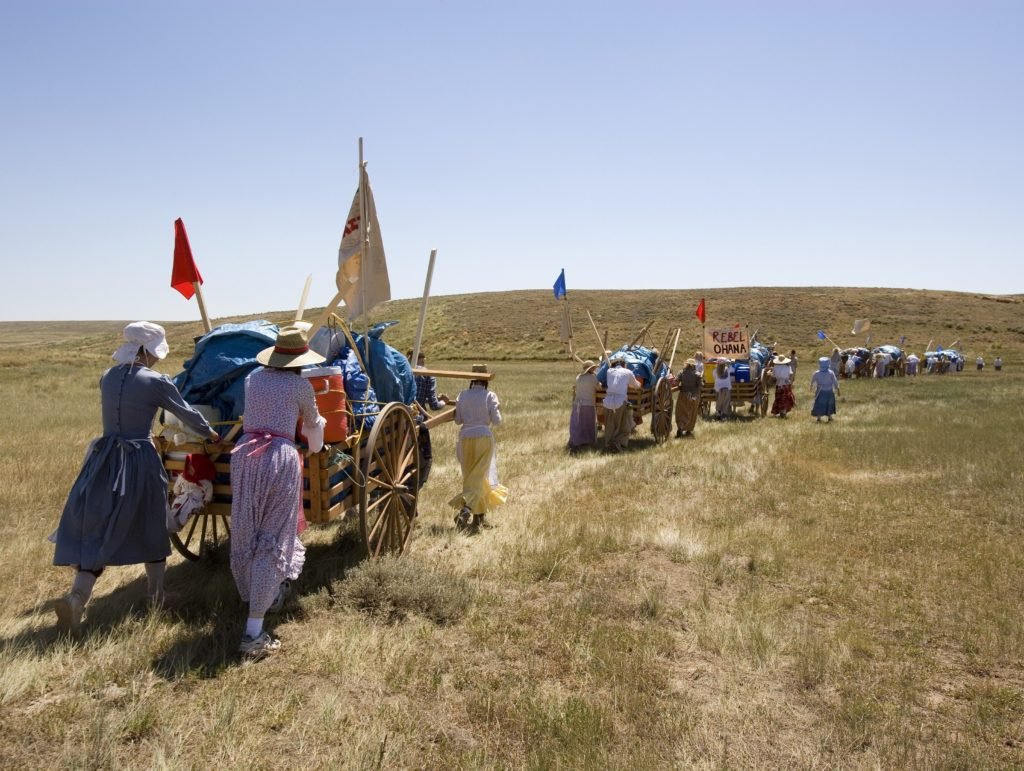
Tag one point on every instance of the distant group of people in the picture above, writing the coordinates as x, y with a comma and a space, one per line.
622, 384
997, 363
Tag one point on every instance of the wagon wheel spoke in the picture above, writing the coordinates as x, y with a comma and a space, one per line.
205, 531
375, 531
661, 410
387, 504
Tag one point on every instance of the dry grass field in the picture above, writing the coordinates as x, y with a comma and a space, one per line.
767, 594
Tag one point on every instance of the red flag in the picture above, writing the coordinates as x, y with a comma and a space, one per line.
184, 271
700, 311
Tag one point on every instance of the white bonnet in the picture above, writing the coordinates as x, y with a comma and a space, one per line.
142, 334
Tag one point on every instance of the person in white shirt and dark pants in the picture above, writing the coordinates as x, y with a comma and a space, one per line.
618, 413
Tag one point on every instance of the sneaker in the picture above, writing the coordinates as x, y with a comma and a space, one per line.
69, 609
256, 648
284, 591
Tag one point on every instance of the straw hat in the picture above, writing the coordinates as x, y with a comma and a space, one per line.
781, 360
479, 368
690, 363
290, 351
589, 366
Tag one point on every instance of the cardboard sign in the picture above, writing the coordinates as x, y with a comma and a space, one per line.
730, 342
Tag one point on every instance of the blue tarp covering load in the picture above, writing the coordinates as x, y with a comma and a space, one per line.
892, 350
215, 375
760, 353
640, 361
392, 376
224, 357
393, 380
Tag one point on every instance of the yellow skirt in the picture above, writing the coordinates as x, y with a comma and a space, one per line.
480, 489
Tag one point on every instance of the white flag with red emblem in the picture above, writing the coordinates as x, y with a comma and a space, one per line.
362, 268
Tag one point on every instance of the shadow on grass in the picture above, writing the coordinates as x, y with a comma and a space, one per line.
201, 596
210, 646
636, 444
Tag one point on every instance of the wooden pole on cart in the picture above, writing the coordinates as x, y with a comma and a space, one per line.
604, 355
328, 311
660, 358
302, 300
423, 309
352, 343
642, 333
675, 344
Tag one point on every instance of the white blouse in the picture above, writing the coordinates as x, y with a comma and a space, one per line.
476, 410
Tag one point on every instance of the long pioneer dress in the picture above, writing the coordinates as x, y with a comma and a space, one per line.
476, 410
784, 398
583, 420
266, 484
116, 513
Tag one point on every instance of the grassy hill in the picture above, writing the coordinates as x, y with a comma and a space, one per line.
524, 324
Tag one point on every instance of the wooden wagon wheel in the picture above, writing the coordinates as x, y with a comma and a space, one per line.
661, 410
391, 470
204, 532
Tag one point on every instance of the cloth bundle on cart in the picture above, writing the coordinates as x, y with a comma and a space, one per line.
223, 358
640, 361
393, 379
892, 350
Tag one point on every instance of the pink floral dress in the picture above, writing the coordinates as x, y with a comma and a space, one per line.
266, 485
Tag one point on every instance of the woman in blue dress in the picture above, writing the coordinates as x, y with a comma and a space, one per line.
825, 387
116, 511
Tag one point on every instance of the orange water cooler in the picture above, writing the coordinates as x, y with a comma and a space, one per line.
329, 388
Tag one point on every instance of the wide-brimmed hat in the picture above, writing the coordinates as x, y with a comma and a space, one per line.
589, 366
291, 350
690, 363
142, 334
479, 368
781, 360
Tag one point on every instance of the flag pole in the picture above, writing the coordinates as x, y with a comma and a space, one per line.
202, 306
364, 254
423, 309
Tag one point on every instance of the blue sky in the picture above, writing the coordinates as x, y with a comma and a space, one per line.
641, 145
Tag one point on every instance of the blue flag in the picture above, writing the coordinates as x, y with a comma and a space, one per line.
821, 334
560, 285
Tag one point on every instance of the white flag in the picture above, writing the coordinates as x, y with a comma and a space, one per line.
860, 325
362, 278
